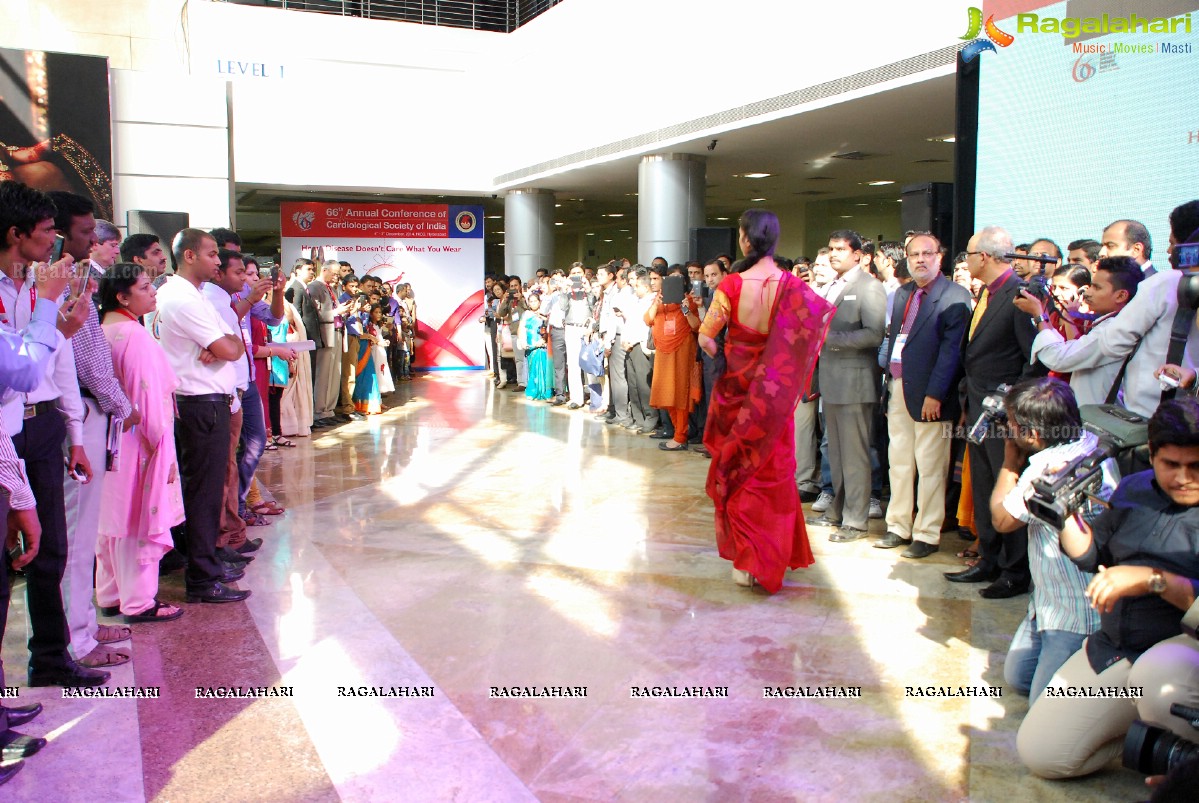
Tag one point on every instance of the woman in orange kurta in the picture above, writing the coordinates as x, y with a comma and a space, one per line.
673, 388
776, 326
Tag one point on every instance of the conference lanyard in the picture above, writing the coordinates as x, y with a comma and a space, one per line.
32, 302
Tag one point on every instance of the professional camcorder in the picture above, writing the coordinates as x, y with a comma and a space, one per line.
1155, 751
1056, 496
993, 414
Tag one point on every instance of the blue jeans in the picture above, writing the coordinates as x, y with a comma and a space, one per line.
253, 442
1035, 656
826, 473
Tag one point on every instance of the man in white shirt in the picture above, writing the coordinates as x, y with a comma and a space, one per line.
1092, 373
107, 248
41, 420
635, 340
620, 300
202, 350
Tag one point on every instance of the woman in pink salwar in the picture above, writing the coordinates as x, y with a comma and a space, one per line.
142, 495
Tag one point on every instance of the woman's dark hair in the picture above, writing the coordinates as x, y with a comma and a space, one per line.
120, 278
1175, 423
1047, 407
1077, 275
761, 228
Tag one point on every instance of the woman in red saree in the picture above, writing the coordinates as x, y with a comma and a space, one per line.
776, 325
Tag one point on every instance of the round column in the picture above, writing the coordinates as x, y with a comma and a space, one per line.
670, 203
528, 231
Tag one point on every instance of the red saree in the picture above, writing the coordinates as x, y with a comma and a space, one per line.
751, 429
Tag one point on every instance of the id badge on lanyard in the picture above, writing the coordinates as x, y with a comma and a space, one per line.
897, 352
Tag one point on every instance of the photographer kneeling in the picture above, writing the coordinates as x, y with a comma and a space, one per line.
1146, 552
1045, 433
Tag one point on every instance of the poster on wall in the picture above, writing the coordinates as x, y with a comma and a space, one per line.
55, 124
435, 248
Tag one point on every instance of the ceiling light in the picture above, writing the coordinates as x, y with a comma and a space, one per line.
755, 200
494, 217
557, 206
497, 232
631, 194
589, 234
607, 241
879, 183
861, 204
722, 218
624, 231
557, 224
846, 217
752, 175
950, 138
614, 214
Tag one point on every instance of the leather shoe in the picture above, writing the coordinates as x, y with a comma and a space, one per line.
847, 534
21, 714
70, 675
1003, 588
15, 745
919, 549
558, 401
232, 574
975, 574
228, 556
660, 435
356, 417
251, 545
573, 406
109, 610
822, 521
890, 541
218, 592
7, 773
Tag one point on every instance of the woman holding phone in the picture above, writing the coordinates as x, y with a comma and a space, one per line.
674, 319
776, 326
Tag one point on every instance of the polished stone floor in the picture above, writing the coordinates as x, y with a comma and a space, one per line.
469, 539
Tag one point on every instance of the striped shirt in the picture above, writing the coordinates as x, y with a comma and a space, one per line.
1058, 600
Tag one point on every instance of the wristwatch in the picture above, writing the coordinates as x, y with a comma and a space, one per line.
1040, 319
1157, 582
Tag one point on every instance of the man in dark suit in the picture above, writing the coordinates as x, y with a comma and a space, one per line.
301, 274
929, 318
849, 384
319, 312
998, 343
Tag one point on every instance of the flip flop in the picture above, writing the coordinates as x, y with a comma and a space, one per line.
281, 441
968, 553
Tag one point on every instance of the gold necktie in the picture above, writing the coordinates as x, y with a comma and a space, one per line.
978, 312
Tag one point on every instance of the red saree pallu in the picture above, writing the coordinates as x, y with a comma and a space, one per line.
750, 431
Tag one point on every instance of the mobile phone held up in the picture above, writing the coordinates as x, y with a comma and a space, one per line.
56, 254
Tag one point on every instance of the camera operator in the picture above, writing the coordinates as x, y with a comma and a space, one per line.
1092, 372
1045, 433
1146, 552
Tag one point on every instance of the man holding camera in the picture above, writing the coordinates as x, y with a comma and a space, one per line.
1092, 372
1145, 550
1045, 434
998, 343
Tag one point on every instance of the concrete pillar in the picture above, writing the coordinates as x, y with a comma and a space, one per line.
670, 202
528, 231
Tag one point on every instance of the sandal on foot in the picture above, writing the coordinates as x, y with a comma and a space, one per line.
268, 509
111, 634
100, 658
968, 553
282, 441
270, 447
155, 613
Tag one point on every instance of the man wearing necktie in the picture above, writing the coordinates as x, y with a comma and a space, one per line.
998, 344
929, 318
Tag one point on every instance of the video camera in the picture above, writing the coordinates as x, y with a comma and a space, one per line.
1155, 751
1055, 497
993, 414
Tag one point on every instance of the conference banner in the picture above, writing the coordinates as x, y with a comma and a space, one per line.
436, 248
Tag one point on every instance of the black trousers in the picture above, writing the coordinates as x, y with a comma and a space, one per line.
202, 443
1007, 551
640, 368
40, 446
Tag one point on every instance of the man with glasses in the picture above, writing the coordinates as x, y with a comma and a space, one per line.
929, 317
996, 352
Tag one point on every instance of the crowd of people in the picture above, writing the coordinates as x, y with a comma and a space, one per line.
908, 352
137, 404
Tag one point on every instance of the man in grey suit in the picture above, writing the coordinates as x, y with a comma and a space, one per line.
849, 384
319, 311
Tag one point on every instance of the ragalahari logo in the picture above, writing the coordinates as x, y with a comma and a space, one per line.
994, 36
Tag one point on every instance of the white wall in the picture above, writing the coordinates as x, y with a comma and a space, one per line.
170, 146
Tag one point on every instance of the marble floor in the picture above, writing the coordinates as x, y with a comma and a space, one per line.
470, 539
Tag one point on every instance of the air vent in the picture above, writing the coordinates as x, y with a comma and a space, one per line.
930, 161
853, 156
813, 192
819, 178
